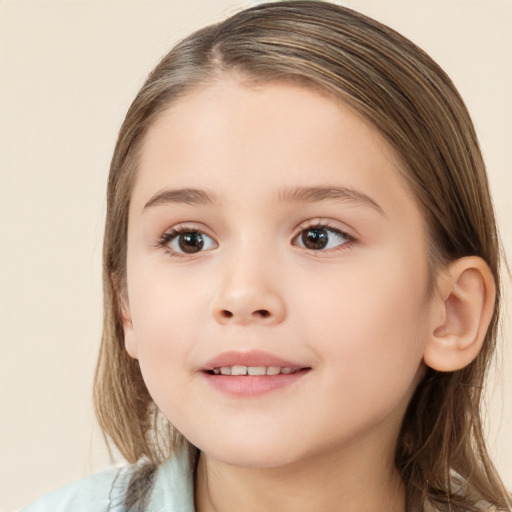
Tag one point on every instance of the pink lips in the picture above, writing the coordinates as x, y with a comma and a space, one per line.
252, 358
251, 385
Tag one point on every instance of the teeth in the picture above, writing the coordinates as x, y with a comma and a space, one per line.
256, 370
252, 370
239, 370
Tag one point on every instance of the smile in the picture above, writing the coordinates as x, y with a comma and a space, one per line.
252, 374
253, 370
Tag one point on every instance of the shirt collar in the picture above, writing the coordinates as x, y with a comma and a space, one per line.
173, 490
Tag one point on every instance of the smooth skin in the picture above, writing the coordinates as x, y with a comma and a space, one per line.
356, 312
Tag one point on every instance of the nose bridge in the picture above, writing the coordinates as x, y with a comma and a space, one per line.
248, 291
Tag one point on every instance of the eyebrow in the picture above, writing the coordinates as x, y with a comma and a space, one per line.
194, 196
315, 194
184, 196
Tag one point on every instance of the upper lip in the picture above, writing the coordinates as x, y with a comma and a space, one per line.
250, 358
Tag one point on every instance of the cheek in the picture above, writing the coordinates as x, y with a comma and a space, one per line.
165, 327
163, 304
371, 324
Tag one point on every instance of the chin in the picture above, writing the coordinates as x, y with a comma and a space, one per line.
250, 454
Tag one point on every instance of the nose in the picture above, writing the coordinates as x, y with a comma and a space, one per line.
248, 295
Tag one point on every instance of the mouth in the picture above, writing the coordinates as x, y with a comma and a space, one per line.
251, 374
254, 370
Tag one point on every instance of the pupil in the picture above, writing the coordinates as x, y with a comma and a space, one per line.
191, 242
315, 238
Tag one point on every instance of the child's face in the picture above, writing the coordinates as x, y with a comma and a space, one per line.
263, 265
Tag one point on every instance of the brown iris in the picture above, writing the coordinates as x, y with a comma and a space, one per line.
191, 242
315, 239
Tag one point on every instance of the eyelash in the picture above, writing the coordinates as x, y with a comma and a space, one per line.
173, 233
176, 231
325, 226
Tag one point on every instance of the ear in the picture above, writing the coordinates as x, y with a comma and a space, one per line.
122, 300
129, 334
461, 314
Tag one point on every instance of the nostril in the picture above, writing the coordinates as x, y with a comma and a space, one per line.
259, 313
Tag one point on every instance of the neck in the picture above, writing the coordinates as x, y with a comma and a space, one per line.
357, 481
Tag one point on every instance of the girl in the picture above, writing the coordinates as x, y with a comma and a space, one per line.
301, 277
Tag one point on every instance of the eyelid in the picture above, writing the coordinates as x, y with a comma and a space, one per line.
327, 224
173, 232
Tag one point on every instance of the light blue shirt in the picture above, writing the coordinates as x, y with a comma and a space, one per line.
104, 492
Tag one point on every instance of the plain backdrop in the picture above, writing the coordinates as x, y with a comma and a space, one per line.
68, 71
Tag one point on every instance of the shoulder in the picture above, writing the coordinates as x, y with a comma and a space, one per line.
173, 490
480, 506
105, 492
91, 494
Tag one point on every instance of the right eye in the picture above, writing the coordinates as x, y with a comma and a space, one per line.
187, 241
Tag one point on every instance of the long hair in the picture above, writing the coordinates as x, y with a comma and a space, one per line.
401, 91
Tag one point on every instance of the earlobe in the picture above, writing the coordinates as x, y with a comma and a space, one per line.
462, 313
129, 334
124, 309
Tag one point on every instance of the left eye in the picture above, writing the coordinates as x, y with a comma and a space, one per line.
190, 242
320, 238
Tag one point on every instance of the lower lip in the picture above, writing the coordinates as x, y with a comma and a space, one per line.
253, 385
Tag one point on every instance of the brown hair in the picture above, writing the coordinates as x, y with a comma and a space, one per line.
415, 106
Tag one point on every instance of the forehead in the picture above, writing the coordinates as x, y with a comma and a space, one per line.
263, 137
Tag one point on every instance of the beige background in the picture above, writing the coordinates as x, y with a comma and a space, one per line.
68, 71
